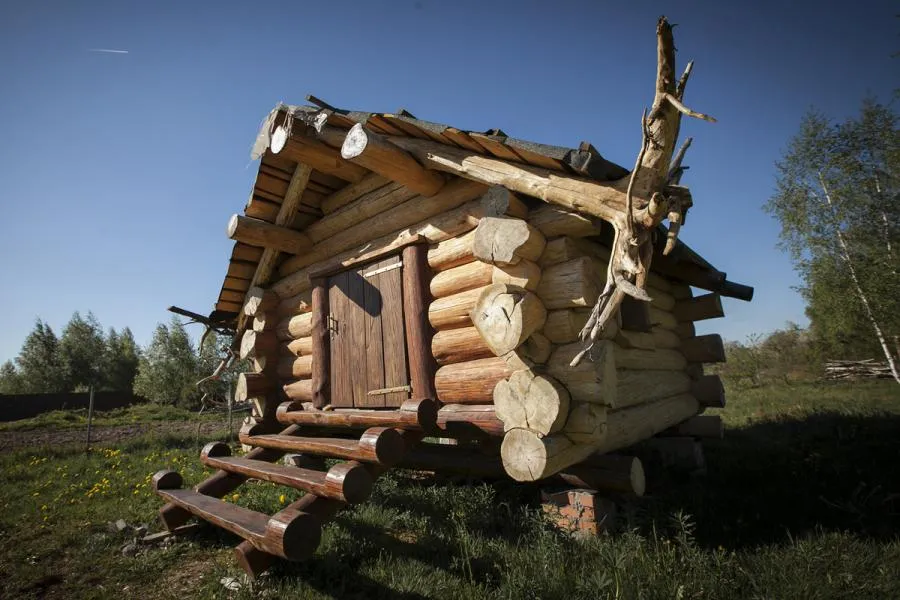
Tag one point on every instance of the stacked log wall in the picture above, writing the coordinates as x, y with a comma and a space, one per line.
510, 293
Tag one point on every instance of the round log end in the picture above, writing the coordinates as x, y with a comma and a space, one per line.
385, 443
638, 481
426, 412
215, 449
524, 455
285, 407
279, 139
355, 143
506, 316
295, 533
353, 479
248, 344
240, 388
232, 225
167, 480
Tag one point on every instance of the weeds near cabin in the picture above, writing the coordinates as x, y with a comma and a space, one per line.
800, 501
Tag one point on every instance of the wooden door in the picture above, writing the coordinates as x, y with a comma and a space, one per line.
367, 336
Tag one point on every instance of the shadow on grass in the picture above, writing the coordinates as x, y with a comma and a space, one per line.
784, 478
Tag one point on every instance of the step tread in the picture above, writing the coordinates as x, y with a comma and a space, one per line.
300, 441
237, 519
296, 477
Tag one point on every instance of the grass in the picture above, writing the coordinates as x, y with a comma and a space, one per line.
129, 415
801, 500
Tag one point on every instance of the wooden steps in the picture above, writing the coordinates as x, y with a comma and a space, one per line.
418, 415
294, 532
348, 482
290, 534
379, 445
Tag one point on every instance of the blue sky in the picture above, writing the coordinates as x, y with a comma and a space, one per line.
119, 171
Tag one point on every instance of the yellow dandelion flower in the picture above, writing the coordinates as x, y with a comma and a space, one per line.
234, 497
281, 498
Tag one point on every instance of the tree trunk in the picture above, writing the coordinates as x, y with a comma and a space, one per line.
845, 255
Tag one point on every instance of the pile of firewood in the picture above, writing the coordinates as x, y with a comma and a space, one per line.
856, 369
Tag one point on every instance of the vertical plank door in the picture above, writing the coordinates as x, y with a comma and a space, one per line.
368, 337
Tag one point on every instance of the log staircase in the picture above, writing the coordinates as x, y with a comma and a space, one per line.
369, 442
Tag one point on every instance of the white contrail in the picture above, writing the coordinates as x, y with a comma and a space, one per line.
108, 50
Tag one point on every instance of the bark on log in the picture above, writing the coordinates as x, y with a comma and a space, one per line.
572, 284
259, 300
470, 382
640, 387
642, 360
506, 241
505, 316
459, 345
538, 403
265, 235
294, 327
453, 311
594, 379
451, 253
373, 152
469, 276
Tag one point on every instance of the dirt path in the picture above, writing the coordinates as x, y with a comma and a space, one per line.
13, 440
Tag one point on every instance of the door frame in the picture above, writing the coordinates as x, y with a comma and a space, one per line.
416, 280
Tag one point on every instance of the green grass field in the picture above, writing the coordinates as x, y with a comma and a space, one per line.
801, 500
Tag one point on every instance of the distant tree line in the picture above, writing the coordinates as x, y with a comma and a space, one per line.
837, 199
166, 371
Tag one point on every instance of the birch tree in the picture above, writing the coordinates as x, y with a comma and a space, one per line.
837, 196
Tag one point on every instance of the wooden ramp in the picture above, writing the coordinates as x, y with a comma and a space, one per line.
368, 442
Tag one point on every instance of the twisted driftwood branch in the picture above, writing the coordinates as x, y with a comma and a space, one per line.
632, 250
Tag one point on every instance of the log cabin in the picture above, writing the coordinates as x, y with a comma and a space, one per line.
395, 281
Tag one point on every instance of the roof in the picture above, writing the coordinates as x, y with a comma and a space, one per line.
275, 172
